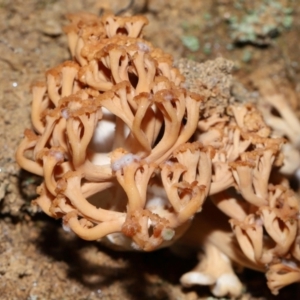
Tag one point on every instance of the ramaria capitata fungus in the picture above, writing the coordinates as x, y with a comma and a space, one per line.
131, 157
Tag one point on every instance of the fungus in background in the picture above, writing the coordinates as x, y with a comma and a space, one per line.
129, 156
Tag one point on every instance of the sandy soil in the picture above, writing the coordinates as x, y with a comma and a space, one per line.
38, 260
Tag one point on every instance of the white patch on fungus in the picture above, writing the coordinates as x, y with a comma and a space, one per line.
118, 239
104, 133
65, 114
125, 160
289, 263
66, 227
59, 156
168, 97
192, 278
227, 284
135, 246
156, 196
143, 47
167, 234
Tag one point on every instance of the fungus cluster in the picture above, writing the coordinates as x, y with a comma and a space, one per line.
129, 156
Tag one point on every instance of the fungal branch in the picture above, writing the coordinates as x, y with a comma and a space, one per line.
130, 156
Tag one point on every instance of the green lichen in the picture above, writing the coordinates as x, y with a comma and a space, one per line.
247, 56
261, 23
191, 42
207, 48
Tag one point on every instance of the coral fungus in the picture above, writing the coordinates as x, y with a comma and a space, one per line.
129, 155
